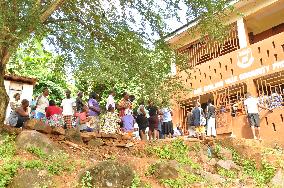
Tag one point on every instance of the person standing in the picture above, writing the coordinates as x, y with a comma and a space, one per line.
189, 122
54, 115
94, 111
167, 126
69, 106
109, 122
128, 122
124, 104
15, 102
110, 100
153, 121
142, 121
252, 106
198, 114
211, 122
79, 102
42, 103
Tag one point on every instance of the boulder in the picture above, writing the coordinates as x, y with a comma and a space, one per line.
213, 178
126, 137
58, 131
73, 135
108, 174
10, 130
166, 170
30, 124
228, 164
225, 153
31, 178
43, 128
32, 138
96, 142
278, 179
86, 137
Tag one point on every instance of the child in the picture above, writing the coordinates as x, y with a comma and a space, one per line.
83, 120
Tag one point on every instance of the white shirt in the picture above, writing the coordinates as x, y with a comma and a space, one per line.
110, 101
67, 105
252, 105
42, 103
167, 116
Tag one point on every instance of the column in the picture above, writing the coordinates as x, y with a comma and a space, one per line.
242, 33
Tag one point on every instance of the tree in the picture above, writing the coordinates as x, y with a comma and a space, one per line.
32, 60
81, 28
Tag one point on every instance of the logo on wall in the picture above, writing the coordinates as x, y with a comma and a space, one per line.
245, 58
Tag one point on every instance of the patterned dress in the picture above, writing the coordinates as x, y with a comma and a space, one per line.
109, 123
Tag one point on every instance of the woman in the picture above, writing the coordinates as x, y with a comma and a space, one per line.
20, 115
142, 121
15, 102
94, 111
153, 121
128, 122
54, 115
109, 121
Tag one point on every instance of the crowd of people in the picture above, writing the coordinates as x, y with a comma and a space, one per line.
147, 122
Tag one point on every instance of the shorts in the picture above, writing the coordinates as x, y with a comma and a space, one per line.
200, 129
254, 120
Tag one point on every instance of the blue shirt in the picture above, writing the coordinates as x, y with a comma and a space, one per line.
167, 116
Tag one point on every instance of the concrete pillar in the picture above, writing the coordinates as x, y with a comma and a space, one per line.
251, 88
242, 33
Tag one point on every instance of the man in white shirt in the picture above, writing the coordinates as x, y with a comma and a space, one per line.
251, 105
68, 105
110, 100
41, 104
167, 126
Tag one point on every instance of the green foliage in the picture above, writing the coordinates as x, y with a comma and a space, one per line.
32, 60
34, 164
8, 166
217, 151
37, 151
59, 163
227, 173
136, 182
151, 169
7, 147
176, 150
87, 180
184, 180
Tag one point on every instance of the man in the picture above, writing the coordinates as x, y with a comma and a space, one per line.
79, 102
41, 104
68, 105
251, 105
167, 126
110, 100
189, 123
197, 114
211, 123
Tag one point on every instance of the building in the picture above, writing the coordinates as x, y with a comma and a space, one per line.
18, 84
251, 59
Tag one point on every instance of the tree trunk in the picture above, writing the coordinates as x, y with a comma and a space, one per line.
4, 99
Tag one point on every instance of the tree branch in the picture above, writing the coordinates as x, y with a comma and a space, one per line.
54, 6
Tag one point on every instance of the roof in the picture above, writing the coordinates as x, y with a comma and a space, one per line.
22, 79
190, 24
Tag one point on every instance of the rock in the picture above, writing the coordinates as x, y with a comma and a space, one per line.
278, 179
225, 154
30, 124
10, 130
203, 158
86, 137
58, 131
212, 162
213, 178
228, 164
104, 135
42, 128
29, 178
73, 135
32, 138
109, 174
166, 170
96, 142
126, 137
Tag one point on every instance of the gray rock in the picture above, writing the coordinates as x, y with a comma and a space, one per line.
73, 135
213, 178
278, 179
32, 138
108, 174
31, 178
228, 165
96, 142
166, 170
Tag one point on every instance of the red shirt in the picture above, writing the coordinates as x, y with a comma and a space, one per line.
51, 110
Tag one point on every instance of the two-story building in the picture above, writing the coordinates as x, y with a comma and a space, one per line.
251, 59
